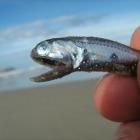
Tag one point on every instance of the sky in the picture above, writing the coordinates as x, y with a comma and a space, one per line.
24, 23
15, 12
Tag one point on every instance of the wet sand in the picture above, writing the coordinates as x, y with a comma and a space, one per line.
57, 112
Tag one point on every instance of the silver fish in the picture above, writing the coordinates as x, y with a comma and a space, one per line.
70, 54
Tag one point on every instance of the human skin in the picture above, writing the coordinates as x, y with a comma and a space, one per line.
118, 99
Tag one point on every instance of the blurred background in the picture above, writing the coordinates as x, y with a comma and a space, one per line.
61, 109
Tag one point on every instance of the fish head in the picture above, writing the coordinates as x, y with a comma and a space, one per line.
63, 56
51, 53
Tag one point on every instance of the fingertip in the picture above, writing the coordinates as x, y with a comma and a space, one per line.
135, 40
117, 98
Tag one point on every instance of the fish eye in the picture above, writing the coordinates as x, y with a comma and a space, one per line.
42, 49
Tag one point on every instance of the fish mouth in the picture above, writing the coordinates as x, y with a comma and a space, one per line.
53, 64
48, 61
58, 70
59, 67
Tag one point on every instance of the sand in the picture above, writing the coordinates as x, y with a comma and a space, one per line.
57, 112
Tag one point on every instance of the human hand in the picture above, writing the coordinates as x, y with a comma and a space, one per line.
118, 99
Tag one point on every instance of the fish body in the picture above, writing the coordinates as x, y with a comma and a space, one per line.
70, 54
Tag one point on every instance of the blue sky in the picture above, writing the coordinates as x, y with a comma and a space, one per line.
14, 12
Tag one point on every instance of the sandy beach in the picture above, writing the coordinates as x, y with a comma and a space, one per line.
57, 112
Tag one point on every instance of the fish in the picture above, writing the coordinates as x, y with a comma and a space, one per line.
66, 55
